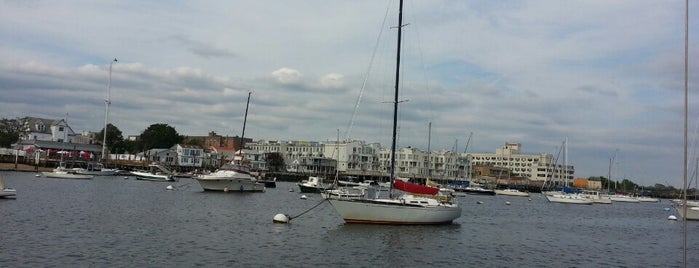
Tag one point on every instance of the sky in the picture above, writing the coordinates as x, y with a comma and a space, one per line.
608, 76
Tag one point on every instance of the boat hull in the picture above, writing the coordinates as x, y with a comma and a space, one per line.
8, 193
62, 175
230, 185
692, 213
511, 193
476, 191
152, 177
393, 211
310, 189
569, 199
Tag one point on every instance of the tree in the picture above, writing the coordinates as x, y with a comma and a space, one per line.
9, 131
114, 136
160, 136
275, 161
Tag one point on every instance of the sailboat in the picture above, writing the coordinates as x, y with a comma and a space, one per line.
417, 204
234, 176
568, 197
6, 192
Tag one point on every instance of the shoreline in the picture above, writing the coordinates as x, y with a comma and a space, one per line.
22, 167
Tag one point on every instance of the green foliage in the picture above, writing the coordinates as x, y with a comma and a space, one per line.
160, 136
114, 136
275, 161
10, 130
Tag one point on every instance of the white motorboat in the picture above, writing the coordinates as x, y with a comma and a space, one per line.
313, 185
511, 192
570, 199
155, 172
417, 205
6, 192
230, 177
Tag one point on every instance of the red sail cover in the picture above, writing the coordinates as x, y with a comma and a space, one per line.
414, 188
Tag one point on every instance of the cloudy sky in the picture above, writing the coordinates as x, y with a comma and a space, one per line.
607, 75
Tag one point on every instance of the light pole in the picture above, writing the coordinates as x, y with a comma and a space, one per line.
107, 102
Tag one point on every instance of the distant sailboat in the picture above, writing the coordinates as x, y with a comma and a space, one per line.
6, 192
417, 205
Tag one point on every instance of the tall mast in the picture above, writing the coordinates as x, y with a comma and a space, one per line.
245, 120
107, 102
686, 108
395, 100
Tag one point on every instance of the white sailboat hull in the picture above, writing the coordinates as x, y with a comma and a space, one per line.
66, 175
569, 199
152, 177
230, 184
511, 192
393, 211
692, 212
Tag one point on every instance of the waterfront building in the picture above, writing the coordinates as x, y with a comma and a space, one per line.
41, 129
415, 163
535, 167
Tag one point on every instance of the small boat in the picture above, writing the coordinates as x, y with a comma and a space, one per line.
476, 190
269, 183
96, 169
511, 192
63, 173
596, 197
623, 198
313, 185
234, 176
6, 192
570, 198
155, 172
230, 177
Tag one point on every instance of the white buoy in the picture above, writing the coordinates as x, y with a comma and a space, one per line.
666, 209
37, 175
303, 196
291, 190
126, 177
225, 189
169, 187
479, 202
672, 218
530, 199
280, 218
507, 203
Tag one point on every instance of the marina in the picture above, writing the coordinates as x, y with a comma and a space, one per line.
112, 221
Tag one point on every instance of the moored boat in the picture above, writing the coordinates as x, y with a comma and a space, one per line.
6, 192
511, 192
63, 173
570, 199
313, 185
155, 172
230, 177
416, 204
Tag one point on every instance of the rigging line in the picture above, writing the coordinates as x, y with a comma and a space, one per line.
366, 76
321, 202
422, 63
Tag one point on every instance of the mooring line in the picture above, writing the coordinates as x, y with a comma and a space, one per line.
321, 202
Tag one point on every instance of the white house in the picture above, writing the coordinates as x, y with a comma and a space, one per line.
42, 129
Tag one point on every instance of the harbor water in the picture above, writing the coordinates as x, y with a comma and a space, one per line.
122, 222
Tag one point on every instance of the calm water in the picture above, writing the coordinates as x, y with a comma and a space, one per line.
117, 222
